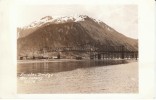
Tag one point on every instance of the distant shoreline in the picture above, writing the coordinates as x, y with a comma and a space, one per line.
67, 60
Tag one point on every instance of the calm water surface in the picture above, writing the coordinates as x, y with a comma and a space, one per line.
77, 76
63, 65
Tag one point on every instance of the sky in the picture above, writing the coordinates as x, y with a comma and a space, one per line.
123, 18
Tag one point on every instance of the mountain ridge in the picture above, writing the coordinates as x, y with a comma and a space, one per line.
50, 20
70, 33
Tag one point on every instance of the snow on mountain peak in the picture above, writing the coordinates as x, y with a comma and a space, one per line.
57, 20
73, 18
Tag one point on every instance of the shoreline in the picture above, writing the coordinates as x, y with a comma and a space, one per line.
67, 60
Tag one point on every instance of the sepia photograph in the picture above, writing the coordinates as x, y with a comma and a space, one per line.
77, 49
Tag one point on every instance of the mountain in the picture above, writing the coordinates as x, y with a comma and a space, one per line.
69, 31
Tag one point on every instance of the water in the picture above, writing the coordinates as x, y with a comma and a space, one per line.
63, 65
77, 76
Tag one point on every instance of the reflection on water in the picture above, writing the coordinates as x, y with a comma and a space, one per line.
53, 67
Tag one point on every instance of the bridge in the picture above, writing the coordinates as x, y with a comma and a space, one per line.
96, 52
